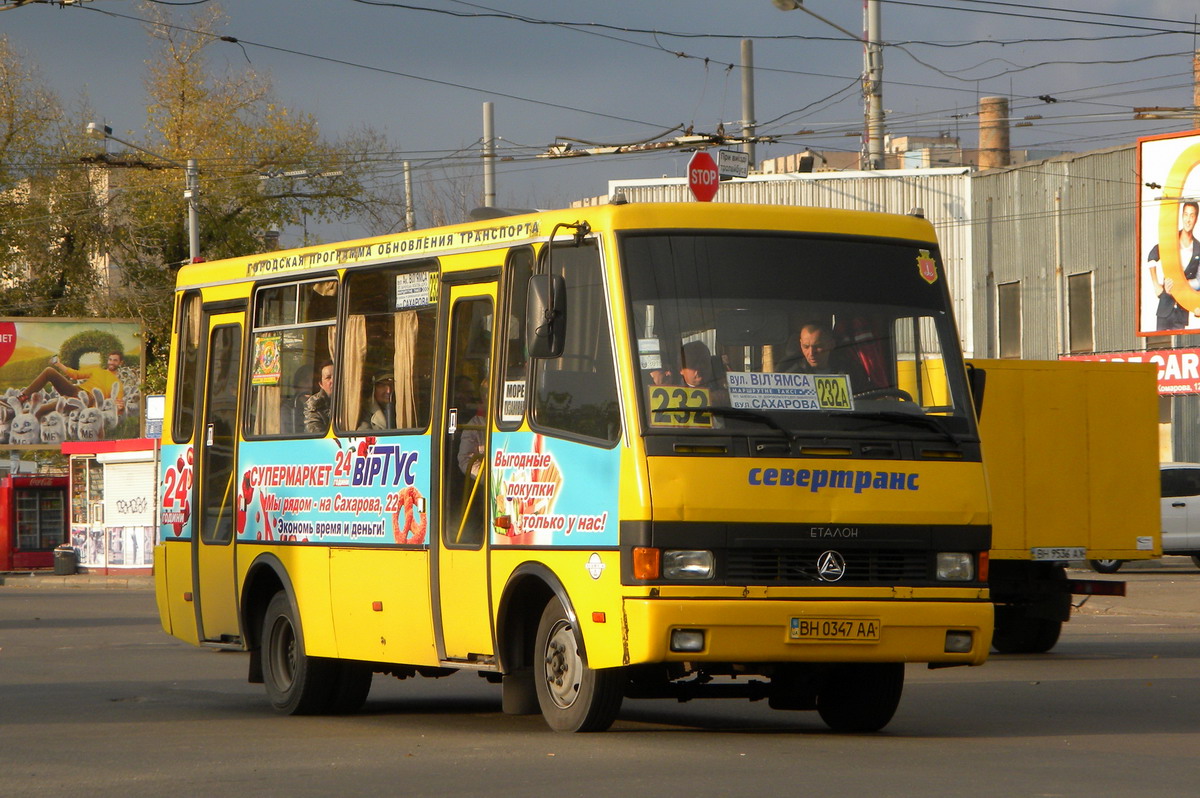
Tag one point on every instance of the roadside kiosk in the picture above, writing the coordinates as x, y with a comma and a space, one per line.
113, 508
33, 520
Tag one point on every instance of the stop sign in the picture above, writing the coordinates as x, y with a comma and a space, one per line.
702, 177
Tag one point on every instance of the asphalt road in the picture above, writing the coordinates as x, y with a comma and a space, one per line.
95, 698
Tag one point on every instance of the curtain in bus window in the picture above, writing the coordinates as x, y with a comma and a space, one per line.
864, 339
404, 364
266, 371
266, 410
354, 354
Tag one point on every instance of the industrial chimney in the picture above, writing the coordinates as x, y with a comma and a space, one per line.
993, 132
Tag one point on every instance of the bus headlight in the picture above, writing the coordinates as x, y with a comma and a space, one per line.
685, 564
955, 566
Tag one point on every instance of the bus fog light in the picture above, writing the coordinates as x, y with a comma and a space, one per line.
687, 639
685, 564
955, 566
958, 642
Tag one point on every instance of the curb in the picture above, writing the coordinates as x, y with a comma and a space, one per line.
78, 581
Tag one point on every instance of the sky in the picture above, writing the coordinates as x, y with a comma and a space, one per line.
625, 71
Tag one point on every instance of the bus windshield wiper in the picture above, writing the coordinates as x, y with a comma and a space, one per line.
897, 417
734, 412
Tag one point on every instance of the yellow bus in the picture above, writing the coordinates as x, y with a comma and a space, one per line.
632, 451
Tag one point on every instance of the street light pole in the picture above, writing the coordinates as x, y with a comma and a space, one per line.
872, 75
191, 193
191, 189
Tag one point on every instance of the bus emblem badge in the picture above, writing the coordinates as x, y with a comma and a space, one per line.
831, 566
595, 565
927, 266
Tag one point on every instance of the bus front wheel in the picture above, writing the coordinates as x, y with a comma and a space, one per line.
861, 696
572, 696
296, 683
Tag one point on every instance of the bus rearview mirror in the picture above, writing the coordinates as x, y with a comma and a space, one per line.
977, 379
546, 316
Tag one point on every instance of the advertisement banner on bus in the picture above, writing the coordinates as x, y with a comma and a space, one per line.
370, 491
69, 380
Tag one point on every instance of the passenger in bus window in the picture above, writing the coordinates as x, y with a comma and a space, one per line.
316, 407
699, 371
474, 437
815, 343
381, 413
820, 354
660, 376
663, 374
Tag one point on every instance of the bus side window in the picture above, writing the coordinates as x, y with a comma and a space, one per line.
388, 348
187, 379
292, 340
577, 392
515, 366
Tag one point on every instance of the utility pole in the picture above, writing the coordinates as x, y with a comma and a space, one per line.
489, 157
748, 99
1196, 90
191, 192
191, 185
872, 74
410, 213
873, 82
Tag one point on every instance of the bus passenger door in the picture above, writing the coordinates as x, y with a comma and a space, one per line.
215, 593
461, 581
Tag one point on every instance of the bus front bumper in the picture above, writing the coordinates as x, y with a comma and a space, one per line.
744, 631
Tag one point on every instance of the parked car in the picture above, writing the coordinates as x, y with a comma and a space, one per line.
1180, 515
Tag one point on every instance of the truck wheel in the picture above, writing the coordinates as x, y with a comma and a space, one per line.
1017, 632
861, 697
296, 683
1106, 566
573, 697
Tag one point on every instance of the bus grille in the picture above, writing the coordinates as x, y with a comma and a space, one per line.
799, 567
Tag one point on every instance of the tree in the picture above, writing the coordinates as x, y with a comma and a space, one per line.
240, 136
117, 223
49, 206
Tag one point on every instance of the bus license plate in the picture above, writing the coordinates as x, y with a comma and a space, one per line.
850, 629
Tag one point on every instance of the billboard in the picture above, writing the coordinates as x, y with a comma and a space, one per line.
69, 380
1178, 369
1168, 281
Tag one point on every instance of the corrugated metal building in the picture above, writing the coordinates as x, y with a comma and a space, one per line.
1053, 249
1055, 259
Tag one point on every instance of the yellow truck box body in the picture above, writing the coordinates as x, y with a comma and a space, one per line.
1071, 453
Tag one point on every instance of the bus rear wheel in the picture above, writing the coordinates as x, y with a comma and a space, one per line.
572, 696
296, 683
861, 696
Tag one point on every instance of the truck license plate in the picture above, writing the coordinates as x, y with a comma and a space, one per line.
1059, 553
819, 629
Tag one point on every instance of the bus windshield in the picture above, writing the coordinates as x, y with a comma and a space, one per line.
800, 333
